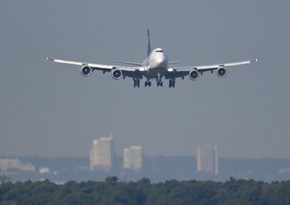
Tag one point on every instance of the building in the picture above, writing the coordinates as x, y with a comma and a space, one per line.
207, 159
6, 164
101, 154
133, 158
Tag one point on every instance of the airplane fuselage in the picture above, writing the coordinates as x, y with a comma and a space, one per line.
156, 64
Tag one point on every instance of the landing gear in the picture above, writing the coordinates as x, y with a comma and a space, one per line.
159, 80
148, 83
159, 83
136, 82
172, 83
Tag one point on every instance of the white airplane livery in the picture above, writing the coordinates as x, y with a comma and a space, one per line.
155, 66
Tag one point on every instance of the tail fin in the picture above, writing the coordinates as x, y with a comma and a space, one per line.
149, 43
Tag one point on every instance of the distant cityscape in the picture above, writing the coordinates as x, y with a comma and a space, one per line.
101, 157
135, 165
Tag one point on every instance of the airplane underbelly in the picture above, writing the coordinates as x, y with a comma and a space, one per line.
156, 72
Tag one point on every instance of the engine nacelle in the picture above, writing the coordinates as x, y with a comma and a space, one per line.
116, 73
86, 70
193, 75
221, 72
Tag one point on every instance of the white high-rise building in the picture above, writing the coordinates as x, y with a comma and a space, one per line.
101, 154
133, 158
207, 159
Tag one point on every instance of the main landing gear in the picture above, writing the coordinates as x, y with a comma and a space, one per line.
136, 83
159, 83
172, 83
148, 83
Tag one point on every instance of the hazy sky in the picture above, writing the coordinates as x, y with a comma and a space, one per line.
49, 109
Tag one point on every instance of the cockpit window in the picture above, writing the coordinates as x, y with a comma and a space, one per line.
160, 51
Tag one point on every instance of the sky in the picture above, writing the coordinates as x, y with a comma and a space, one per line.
49, 109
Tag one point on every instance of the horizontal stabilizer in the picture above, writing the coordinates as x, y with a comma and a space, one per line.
128, 63
174, 62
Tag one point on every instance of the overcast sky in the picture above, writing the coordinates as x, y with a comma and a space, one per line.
49, 109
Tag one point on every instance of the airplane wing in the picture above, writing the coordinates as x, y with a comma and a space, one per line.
204, 68
87, 68
183, 71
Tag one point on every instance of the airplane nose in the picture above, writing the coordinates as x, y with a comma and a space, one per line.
162, 61
159, 61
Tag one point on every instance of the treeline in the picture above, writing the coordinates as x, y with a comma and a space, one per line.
115, 192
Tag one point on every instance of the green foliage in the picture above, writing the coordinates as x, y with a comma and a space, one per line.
4, 178
143, 192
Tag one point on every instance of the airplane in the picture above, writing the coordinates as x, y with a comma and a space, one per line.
155, 66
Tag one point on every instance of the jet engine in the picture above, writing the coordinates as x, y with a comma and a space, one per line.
86, 70
116, 73
221, 72
193, 75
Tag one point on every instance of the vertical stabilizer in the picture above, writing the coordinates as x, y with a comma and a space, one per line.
149, 43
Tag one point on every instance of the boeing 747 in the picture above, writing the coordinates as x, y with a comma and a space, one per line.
155, 66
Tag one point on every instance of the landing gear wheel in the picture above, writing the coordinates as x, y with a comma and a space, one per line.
171, 83
136, 83
148, 83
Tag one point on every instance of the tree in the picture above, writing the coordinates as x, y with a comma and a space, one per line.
111, 180
4, 179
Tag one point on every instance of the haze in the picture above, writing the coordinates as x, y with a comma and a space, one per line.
51, 110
